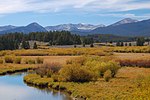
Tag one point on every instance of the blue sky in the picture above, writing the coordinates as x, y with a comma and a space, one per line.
53, 12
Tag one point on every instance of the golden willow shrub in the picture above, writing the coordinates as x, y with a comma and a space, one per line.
12, 59
76, 73
48, 69
39, 60
107, 75
100, 67
29, 61
88, 69
9, 59
1, 61
17, 60
82, 69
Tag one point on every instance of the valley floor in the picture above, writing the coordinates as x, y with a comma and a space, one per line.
130, 83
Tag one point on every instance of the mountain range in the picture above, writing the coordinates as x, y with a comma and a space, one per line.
125, 27
138, 28
73, 27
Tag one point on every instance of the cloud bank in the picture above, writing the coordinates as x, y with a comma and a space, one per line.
42, 6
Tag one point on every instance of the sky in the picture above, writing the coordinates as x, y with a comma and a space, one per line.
54, 12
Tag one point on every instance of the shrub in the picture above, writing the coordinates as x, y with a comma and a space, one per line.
42, 72
48, 69
39, 60
114, 67
76, 73
107, 75
104, 66
79, 60
54, 67
9, 59
55, 77
29, 61
92, 45
18, 60
1, 61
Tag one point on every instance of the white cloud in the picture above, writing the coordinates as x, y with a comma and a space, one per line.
128, 15
14, 6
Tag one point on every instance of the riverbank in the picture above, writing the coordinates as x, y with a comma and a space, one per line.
13, 68
130, 83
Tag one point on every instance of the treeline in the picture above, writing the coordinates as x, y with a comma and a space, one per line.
12, 41
110, 38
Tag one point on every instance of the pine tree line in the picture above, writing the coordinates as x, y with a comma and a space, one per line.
12, 41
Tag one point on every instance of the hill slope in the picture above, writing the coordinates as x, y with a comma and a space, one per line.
141, 28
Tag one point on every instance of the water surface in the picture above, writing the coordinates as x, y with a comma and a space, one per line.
12, 87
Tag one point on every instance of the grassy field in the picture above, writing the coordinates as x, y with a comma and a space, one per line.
58, 52
131, 81
51, 59
13, 67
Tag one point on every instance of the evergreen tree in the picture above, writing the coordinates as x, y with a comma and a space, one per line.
35, 45
126, 44
121, 44
140, 41
118, 44
25, 45
92, 45
83, 44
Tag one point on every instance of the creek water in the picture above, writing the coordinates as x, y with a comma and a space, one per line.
12, 87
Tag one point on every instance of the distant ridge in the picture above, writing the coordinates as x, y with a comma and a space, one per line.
124, 21
125, 27
140, 28
8, 27
33, 27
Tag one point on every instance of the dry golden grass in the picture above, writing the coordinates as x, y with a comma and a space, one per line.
132, 55
51, 59
133, 72
58, 52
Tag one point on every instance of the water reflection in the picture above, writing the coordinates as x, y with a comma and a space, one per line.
12, 87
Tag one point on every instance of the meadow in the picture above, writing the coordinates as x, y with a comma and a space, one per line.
97, 73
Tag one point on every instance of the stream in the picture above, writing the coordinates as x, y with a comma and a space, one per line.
12, 87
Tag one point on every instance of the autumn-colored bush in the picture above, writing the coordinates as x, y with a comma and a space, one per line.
100, 67
29, 61
39, 60
1, 61
107, 75
9, 59
17, 60
48, 69
81, 69
76, 73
